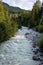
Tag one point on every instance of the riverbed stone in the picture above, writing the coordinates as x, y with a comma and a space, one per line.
36, 58
35, 51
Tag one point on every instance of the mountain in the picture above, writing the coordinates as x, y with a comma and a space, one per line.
12, 9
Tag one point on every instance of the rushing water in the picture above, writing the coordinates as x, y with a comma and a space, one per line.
18, 50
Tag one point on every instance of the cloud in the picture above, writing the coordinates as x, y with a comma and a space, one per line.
25, 4
29, 5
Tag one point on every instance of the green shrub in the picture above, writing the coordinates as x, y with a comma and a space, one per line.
41, 44
3, 32
40, 28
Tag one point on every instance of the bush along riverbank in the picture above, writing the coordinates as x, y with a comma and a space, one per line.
41, 44
8, 26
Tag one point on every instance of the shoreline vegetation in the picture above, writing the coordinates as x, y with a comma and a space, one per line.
11, 22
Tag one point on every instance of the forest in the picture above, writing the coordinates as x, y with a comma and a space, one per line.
10, 22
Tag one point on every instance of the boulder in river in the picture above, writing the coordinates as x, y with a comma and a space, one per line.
27, 34
35, 51
36, 58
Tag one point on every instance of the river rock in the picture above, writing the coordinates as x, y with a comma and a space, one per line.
37, 48
27, 34
41, 54
34, 45
35, 51
36, 57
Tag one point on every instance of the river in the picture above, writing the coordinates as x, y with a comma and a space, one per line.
18, 50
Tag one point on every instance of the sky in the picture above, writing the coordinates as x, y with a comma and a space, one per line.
24, 4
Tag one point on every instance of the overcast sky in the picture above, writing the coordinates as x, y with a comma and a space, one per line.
24, 4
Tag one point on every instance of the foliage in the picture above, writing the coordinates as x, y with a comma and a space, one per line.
7, 25
40, 28
3, 32
41, 44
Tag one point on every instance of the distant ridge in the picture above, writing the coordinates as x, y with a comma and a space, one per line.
12, 9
